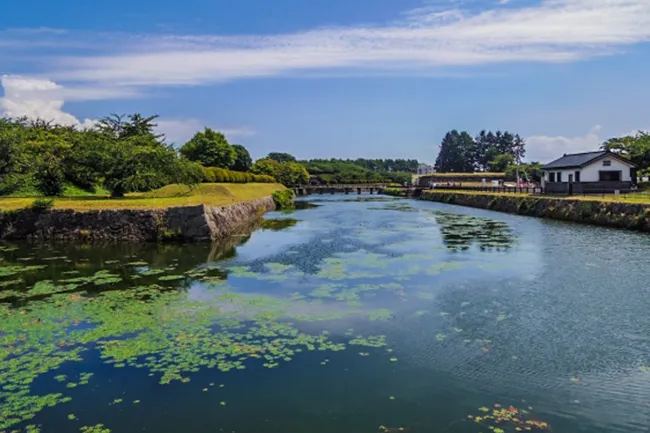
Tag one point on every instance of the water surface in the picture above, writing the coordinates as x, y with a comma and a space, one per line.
362, 314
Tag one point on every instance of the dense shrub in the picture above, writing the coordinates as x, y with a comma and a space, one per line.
42, 205
221, 175
284, 199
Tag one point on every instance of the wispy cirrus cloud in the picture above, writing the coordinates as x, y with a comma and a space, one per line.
433, 37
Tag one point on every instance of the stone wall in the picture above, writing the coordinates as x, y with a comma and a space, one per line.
612, 214
189, 223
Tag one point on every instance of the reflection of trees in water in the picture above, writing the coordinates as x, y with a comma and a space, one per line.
459, 232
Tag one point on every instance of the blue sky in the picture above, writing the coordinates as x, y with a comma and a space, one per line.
337, 78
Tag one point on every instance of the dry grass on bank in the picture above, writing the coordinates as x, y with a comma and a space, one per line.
212, 194
638, 197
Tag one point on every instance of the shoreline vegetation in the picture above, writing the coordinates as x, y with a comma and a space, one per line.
621, 213
209, 194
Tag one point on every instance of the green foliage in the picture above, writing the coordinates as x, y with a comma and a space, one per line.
211, 149
336, 171
281, 157
141, 163
221, 175
243, 160
501, 162
529, 171
287, 173
634, 147
265, 166
42, 205
457, 153
489, 145
284, 199
123, 153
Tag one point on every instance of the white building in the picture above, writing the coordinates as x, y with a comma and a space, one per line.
589, 172
424, 169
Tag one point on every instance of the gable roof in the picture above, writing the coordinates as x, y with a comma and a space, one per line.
582, 159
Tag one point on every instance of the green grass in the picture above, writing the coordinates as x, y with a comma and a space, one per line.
638, 198
479, 174
212, 194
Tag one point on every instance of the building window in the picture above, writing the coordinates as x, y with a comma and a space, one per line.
559, 176
551, 177
609, 176
607, 163
577, 176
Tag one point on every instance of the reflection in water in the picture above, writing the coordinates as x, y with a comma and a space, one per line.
350, 321
459, 232
277, 224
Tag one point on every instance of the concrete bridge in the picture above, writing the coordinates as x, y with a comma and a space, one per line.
340, 188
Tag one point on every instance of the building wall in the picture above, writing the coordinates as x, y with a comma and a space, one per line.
590, 172
425, 169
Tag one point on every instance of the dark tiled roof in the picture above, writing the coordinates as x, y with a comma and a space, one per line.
575, 160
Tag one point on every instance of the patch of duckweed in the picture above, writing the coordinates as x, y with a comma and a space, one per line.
381, 314
98, 428
172, 277
9, 271
9, 283
278, 224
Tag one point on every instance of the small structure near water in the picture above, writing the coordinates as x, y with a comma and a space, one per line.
371, 188
599, 172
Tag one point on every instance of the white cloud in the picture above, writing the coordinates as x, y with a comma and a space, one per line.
427, 38
36, 99
179, 131
545, 148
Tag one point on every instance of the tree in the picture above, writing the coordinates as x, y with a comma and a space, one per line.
457, 153
281, 157
121, 126
265, 166
634, 147
491, 144
140, 163
531, 171
501, 162
210, 148
243, 159
292, 173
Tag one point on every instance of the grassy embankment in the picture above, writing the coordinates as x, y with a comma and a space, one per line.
635, 198
212, 194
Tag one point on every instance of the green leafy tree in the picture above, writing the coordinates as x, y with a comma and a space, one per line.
210, 148
531, 171
139, 163
281, 157
243, 160
634, 147
265, 166
292, 173
501, 162
491, 144
457, 153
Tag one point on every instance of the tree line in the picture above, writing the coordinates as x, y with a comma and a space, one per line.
337, 171
487, 151
123, 154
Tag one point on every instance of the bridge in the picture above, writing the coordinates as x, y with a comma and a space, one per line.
345, 188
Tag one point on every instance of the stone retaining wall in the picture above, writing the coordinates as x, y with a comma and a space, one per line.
189, 223
612, 214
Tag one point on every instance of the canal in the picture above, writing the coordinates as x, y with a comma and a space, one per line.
359, 314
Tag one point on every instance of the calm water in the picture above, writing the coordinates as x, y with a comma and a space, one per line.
363, 314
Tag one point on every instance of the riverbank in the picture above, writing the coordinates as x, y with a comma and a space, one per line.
173, 213
209, 194
632, 216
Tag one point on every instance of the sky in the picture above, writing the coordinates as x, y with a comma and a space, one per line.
336, 78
